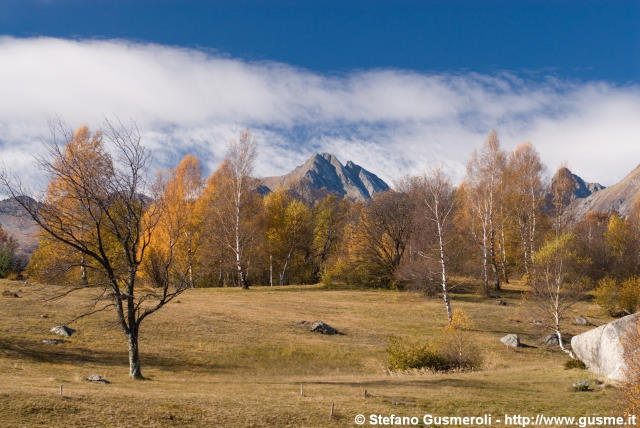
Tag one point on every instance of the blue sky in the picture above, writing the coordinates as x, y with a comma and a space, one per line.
396, 86
571, 39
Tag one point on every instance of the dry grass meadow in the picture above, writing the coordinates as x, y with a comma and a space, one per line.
227, 357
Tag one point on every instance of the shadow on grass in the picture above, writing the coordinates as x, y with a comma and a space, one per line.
28, 350
437, 382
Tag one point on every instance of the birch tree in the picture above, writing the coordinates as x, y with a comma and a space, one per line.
555, 288
229, 194
526, 195
436, 201
556, 285
482, 184
240, 159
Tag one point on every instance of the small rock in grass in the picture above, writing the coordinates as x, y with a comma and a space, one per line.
502, 303
63, 330
96, 379
52, 341
323, 328
581, 385
511, 340
551, 339
581, 321
7, 293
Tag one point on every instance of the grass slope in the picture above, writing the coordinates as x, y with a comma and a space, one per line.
227, 357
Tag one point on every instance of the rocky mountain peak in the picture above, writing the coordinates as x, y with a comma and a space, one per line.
324, 174
581, 188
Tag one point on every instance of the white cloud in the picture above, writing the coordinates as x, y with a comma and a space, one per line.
392, 122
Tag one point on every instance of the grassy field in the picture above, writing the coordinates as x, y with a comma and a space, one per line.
227, 357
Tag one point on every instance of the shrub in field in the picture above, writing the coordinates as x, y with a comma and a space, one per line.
5, 261
455, 349
404, 354
574, 363
628, 295
606, 294
618, 298
456, 344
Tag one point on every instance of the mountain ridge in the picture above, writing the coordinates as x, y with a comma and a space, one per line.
324, 174
619, 197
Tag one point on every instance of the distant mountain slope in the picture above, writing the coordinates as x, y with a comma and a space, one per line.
18, 224
582, 188
619, 197
323, 174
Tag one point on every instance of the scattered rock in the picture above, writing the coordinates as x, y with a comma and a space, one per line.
581, 321
511, 340
7, 293
63, 330
502, 303
601, 348
44, 316
52, 341
96, 379
321, 327
536, 323
581, 385
552, 339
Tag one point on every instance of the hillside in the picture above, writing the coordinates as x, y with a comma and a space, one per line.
227, 357
619, 197
324, 174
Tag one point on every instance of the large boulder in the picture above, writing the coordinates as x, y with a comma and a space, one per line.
601, 349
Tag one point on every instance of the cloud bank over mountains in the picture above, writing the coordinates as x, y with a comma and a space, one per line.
392, 122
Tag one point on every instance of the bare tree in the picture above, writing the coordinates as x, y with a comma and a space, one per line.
383, 231
94, 205
436, 201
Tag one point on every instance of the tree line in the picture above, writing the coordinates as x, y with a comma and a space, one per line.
142, 242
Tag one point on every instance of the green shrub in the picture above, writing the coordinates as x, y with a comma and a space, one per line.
456, 344
6, 255
606, 294
574, 363
628, 295
618, 298
404, 354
